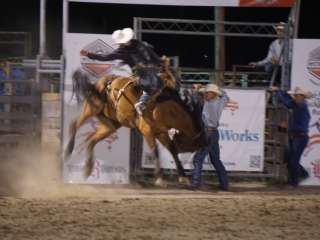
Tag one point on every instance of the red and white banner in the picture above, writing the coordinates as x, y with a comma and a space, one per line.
241, 133
212, 3
111, 155
266, 3
306, 74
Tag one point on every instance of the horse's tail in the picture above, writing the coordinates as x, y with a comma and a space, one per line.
82, 87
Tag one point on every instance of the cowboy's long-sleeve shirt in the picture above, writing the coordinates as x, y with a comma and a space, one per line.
274, 53
212, 110
299, 116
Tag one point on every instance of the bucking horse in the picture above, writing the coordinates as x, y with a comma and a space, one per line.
166, 119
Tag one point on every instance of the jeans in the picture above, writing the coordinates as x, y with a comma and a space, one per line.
144, 97
295, 149
213, 150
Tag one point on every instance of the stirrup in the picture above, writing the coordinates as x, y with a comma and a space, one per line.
140, 107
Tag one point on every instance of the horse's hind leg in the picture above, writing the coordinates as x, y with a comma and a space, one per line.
86, 113
104, 130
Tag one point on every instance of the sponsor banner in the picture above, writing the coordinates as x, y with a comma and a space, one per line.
222, 3
306, 74
241, 133
111, 155
266, 3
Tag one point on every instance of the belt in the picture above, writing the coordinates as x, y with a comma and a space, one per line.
297, 134
211, 129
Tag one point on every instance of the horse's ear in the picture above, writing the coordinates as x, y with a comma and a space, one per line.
165, 61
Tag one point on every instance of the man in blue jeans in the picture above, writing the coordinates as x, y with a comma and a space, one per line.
215, 100
298, 128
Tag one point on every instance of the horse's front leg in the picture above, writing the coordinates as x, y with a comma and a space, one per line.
169, 144
182, 178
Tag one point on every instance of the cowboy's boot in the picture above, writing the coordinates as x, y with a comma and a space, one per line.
140, 107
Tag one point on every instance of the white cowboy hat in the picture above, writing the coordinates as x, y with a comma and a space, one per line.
212, 88
280, 26
300, 91
122, 36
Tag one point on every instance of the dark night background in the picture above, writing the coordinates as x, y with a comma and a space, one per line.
24, 16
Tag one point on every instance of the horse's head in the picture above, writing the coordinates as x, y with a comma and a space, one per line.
166, 74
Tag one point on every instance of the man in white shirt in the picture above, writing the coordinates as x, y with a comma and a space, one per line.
214, 102
274, 57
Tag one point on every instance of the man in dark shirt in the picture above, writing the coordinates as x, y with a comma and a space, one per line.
140, 57
298, 128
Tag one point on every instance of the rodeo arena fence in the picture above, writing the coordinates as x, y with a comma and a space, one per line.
252, 145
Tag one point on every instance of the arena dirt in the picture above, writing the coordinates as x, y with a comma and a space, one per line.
35, 205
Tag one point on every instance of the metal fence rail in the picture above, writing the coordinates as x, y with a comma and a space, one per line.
204, 28
19, 104
17, 38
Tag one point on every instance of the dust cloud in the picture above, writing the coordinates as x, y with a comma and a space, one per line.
35, 172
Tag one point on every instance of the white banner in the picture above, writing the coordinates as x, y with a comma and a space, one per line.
306, 74
241, 133
212, 3
111, 154
230, 3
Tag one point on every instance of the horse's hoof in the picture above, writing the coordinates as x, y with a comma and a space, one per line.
87, 171
184, 180
66, 155
160, 183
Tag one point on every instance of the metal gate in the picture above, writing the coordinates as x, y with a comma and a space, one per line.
19, 105
273, 139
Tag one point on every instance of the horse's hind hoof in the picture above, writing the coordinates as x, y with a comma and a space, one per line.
87, 171
66, 156
160, 183
184, 181
68, 151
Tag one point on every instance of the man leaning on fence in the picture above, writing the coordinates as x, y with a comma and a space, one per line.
298, 128
272, 63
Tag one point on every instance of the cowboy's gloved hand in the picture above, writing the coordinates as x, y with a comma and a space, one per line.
197, 86
274, 61
84, 53
253, 64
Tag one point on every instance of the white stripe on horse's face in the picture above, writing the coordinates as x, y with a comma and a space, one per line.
172, 132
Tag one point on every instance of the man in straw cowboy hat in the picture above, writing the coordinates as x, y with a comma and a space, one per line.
140, 57
214, 102
274, 57
298, 128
